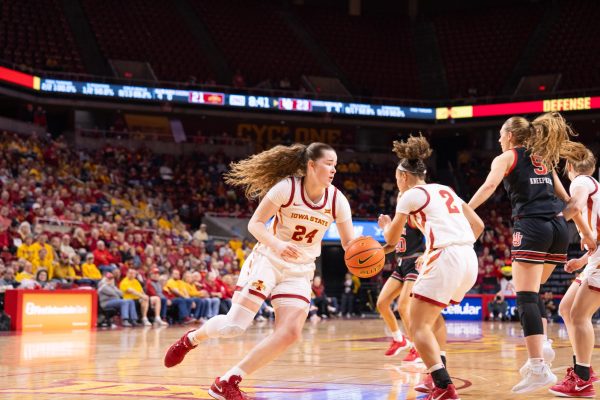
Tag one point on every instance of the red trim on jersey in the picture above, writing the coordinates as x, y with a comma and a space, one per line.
432, 259
454, 302
291, 194
595, 185
431, 239
306, 202
238, 288
257, 294
291, 296
514, 163
594, 288
333, 205
428, 300
426, 203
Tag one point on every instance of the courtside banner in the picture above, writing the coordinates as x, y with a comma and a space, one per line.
469, 309
51, 310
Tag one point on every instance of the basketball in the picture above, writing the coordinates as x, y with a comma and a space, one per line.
364, 257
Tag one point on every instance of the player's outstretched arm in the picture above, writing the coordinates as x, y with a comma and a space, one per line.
500, 166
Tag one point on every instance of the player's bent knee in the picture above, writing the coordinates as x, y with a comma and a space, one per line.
529, 313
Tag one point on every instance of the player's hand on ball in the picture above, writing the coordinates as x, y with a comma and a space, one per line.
383, 220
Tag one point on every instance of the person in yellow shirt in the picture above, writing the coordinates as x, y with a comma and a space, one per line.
42, 242
132, 290
26, 250
25, 271
164, 223
42, 260
235, 243
89, 269
62, 271
199, 297
180, 298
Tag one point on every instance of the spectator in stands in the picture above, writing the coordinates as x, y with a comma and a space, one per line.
42, 279
65, 246
8, 280
111, 297
26, 250
326, 305
25, 271
89, 269
214, 288
154, 287
348, 297
201, 300
132, 290
63, 272
201, 233
180, 298
102, 258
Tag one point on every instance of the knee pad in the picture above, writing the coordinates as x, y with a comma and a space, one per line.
529, 313
542, 306
233, 324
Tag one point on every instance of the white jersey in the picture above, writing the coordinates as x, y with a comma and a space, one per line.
437, 211
591, 213
301, 221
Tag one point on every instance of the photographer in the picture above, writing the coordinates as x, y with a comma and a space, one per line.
497, 308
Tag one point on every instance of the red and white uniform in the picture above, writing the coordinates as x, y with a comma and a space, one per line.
450, 266
299, 221
591, 214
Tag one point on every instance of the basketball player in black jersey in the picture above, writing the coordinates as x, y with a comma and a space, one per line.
531, 152
399, 285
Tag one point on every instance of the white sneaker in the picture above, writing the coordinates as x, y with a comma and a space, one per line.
536, 377
524, 368
160, 322
145, 322
548, 352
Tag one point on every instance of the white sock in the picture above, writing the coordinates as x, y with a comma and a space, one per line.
397, 335
436, 367
192, 337
536, 361
584, 365
233, 371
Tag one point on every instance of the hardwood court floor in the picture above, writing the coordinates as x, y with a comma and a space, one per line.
338, 359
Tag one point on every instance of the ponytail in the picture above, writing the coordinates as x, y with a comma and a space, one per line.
260, 172
550, 135
579, 156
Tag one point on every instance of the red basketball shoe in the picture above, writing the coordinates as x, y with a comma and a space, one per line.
443, 394
412, 357
426, 385
573, 386
593, 376
396, 347
178, 350
227, 390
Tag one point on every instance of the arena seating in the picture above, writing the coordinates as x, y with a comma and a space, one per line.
148, 30
35, 34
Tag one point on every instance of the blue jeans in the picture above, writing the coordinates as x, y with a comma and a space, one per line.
213, 307
127, 308
183, 308
201, 307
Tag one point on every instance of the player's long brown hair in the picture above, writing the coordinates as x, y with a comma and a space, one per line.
260, 172
412, 154
545, 136
580, 157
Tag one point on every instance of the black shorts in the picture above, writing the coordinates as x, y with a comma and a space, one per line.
540, 241
407, 270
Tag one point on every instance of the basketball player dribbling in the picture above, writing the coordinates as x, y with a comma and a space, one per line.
398, 286
531, 152
294, 183
583, 296
449, 268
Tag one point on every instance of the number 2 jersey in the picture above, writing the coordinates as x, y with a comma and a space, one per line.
437, 211
302, 222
